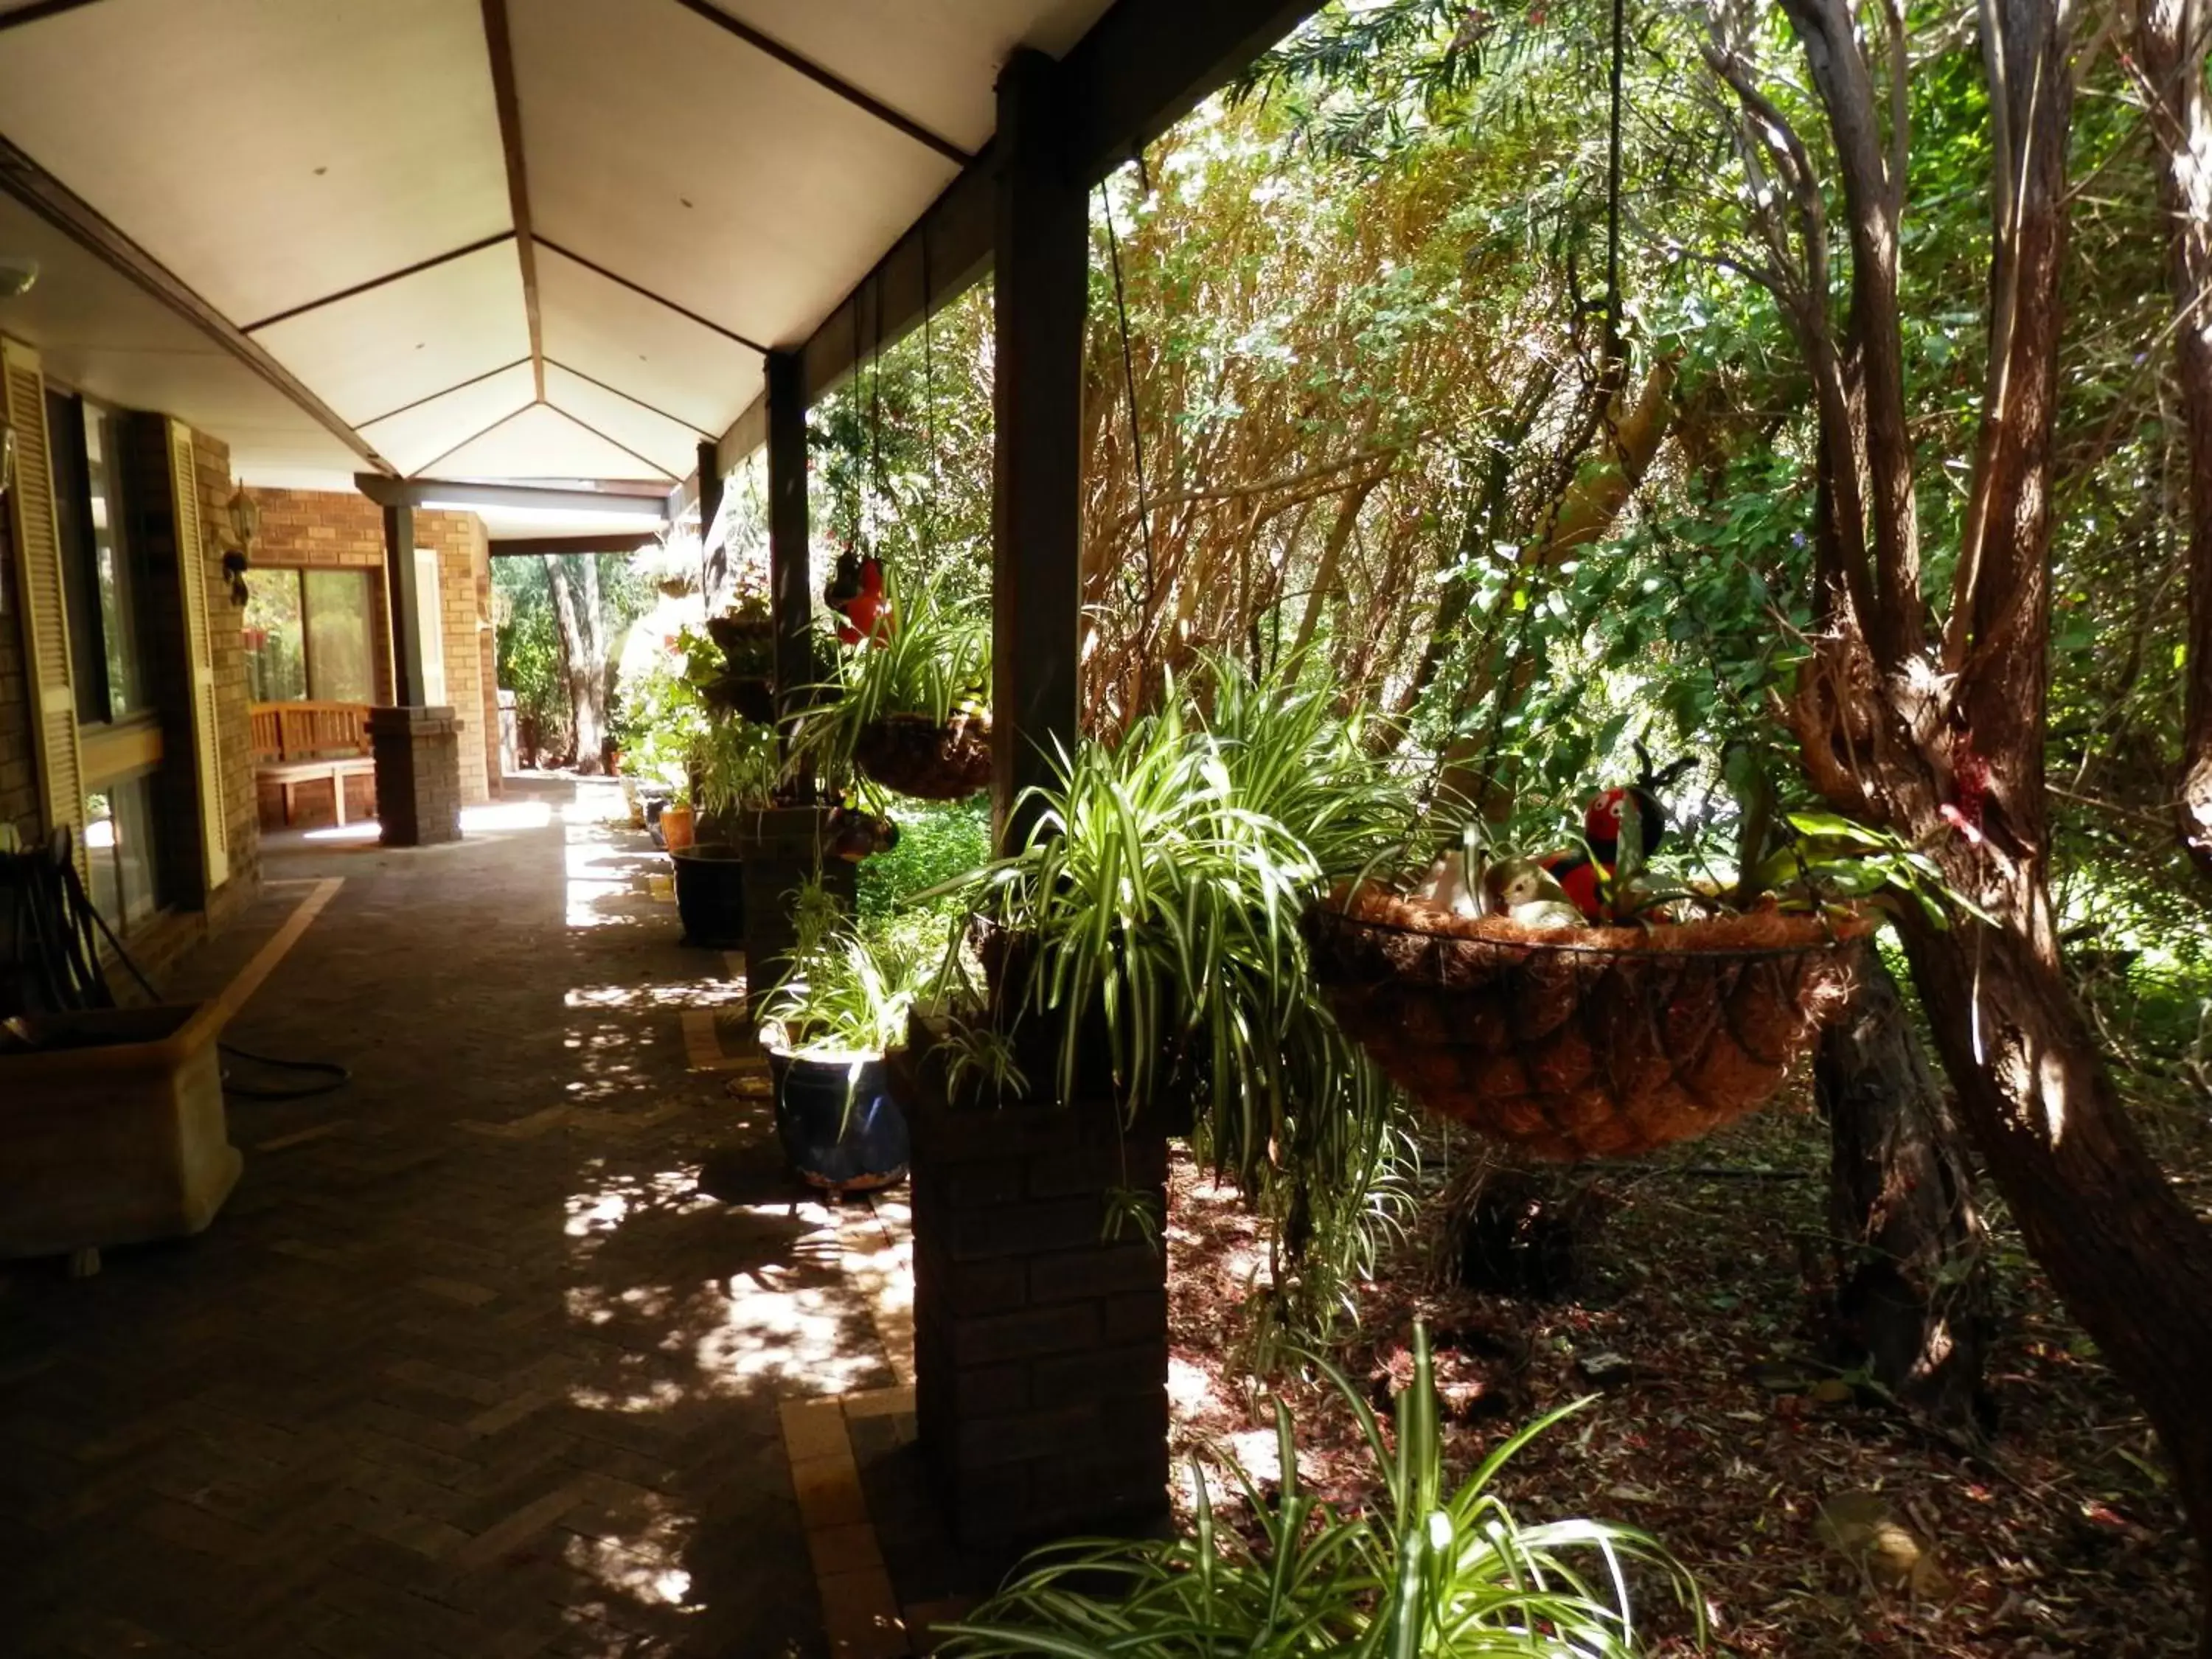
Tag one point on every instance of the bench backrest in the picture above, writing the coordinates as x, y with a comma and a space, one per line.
309, 731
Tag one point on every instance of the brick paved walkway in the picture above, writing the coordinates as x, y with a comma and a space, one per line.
472, 1364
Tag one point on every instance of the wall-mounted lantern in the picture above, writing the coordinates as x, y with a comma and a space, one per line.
245, 525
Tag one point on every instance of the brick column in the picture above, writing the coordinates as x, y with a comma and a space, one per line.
418, 775
1040, 1348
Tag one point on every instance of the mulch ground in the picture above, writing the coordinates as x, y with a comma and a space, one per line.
1719, 1433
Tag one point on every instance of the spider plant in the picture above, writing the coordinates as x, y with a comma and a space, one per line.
929, 658
737, 765
1427, 1569
1163, 883
846, 993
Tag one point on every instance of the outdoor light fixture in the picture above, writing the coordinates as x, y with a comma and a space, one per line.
245, 525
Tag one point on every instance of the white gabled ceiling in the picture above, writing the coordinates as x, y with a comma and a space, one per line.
935, 61
540, 444
269, 152
333, 177
413, 438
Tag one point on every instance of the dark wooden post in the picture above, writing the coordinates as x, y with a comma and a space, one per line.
407, 676
1043, 285
712, 567
791, 579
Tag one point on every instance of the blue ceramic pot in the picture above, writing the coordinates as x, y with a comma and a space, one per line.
840, 1129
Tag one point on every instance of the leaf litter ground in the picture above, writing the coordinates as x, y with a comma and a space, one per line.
1720, 1433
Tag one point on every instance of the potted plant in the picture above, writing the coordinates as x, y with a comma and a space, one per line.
676, 821
734, 767
830, 1029
911, 711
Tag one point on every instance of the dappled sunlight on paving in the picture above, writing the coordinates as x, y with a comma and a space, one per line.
601, 874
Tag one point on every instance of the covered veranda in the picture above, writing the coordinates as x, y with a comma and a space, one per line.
512, 1346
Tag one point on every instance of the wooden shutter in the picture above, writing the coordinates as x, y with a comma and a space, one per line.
46, 622
199, 653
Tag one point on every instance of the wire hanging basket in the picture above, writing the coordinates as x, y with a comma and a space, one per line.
1581, 1042
916, 755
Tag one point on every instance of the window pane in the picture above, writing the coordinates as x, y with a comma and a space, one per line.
118, 840
99, 836
275, 657
338, 661
81, 595
126, 686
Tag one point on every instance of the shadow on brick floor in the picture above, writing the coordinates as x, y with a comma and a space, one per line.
471, 1365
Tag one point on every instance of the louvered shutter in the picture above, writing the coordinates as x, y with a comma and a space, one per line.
39, 572
199, 653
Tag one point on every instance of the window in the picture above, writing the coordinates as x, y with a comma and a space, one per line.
99, 574
307, 636
118, 843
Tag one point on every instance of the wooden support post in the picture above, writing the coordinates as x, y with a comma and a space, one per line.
1043, 263
407, 676
715, 564
790, 579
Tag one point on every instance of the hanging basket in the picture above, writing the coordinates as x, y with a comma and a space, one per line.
915, 756
1581, 1042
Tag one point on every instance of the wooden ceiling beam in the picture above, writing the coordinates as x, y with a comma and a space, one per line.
608, 541
646, 503
645, 293
38, 10
627, 396
499, 47
375, 282
44, 195
433, 397
772, 47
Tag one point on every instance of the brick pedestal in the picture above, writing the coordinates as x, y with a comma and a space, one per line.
418, 775
783, 849
1041, 1349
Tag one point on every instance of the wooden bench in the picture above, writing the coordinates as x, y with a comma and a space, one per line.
297, 743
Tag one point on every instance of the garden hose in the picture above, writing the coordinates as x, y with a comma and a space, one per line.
55, 928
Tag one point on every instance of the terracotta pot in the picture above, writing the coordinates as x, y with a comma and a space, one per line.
676, 826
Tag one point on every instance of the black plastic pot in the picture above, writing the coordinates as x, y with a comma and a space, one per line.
710, 896
842, 1127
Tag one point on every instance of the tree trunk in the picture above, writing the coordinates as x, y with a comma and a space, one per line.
1911, 1297
2130, 1259
2171, 42
1950, 754
583, 668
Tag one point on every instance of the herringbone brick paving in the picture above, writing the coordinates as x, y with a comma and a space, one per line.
472, 1365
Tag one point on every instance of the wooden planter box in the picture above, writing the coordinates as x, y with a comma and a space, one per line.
112, 1129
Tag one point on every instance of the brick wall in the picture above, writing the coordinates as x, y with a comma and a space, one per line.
326, 529
307, 529
465, 593
1041, 1347
19, 780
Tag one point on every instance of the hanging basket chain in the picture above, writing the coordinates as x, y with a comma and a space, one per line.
1129, 384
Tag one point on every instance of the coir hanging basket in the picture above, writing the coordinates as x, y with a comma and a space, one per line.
1580, 1042
915, 756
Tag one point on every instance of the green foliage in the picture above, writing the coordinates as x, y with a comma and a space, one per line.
930, 657
1163, 881
846, 993
738, 763
1431, 1570
938, 841
529, 646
